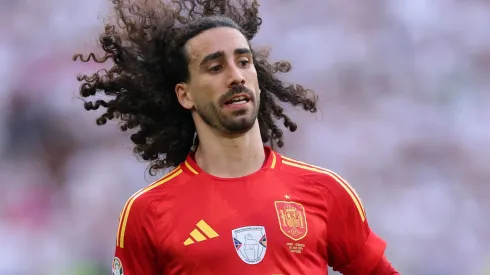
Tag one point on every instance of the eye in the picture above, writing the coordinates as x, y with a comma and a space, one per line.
244, 62
215, 69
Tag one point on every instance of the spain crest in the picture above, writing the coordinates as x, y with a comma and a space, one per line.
292, 219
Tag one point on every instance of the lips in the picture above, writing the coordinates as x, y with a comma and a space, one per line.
238, 99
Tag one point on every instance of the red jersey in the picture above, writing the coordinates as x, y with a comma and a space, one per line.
288, 218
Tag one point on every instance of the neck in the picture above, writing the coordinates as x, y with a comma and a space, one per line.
230, 157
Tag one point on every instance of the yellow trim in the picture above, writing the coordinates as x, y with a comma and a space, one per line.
129, 203
273, 160
352, 189
207, 229
190, 168
347, 187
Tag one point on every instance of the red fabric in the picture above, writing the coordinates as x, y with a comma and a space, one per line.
367, 260
384, 268
298, 219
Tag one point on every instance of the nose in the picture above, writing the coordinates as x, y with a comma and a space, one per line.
235, 77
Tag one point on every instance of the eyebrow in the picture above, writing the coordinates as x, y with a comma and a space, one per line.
220, 54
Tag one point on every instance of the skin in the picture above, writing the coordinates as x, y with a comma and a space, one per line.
229, 136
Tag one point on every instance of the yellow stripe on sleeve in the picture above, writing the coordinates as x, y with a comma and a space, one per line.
127, 207
347, 187
129, 200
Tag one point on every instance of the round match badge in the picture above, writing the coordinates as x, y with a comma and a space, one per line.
117, 267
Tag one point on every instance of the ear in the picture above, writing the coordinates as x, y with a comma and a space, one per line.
183, 95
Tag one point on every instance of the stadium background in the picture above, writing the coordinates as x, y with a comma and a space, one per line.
404, 89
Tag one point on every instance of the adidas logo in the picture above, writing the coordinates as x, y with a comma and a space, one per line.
201, 233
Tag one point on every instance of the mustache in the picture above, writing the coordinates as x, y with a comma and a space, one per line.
235, 90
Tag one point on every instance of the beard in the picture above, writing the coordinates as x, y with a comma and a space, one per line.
239, 121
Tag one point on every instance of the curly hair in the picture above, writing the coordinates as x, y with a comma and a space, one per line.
146, 45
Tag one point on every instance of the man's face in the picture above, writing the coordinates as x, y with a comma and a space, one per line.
223, 89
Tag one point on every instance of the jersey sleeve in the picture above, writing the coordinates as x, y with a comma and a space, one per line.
135, 253
353, 249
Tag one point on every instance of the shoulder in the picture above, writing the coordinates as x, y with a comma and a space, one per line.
139, 206
154, 191
322, 176
334, 187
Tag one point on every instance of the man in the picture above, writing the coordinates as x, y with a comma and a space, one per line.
203, 101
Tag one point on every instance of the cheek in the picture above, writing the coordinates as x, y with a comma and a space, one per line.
213, 88
251, 76
206, 91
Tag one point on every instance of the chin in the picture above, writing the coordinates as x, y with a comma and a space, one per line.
239, 125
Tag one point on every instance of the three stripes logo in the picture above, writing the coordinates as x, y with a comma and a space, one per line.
201, 233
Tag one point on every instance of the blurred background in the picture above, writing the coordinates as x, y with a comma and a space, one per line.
404, 90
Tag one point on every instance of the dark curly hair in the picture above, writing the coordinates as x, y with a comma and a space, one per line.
146, 44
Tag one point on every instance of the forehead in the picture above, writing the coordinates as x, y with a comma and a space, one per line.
213, 40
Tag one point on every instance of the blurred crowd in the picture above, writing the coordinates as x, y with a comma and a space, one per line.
403, 89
